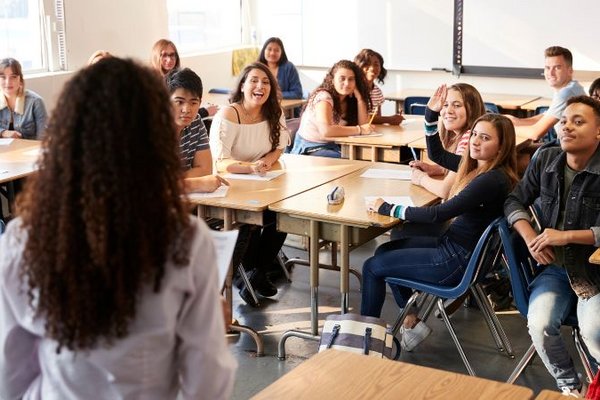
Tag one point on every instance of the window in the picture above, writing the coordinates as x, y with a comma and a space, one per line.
20, 32
25, 33
196, 25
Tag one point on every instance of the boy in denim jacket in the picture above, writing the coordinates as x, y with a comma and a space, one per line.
567, 181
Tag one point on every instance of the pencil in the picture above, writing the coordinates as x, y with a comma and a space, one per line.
374, 113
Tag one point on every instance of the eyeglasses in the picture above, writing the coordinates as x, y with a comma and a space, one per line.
168, 55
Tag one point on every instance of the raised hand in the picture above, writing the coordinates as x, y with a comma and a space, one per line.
436, 102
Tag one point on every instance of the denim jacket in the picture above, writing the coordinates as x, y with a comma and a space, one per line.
544, 179
29, 115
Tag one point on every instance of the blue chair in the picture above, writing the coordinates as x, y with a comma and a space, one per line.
522, 270
2, 226
491, 108
551, 135
219, 91
481, 259
415, 105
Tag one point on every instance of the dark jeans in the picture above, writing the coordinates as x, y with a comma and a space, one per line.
428, 259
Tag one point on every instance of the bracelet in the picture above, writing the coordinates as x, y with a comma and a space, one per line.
359, 128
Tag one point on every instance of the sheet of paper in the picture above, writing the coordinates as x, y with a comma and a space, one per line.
375, 134
220, 192
254, 177
224, 242
398, 200
6, 141
403, 175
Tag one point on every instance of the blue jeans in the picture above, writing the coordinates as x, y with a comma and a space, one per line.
428, 259
551, 301
303, 146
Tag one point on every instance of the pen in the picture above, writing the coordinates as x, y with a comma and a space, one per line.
414, 153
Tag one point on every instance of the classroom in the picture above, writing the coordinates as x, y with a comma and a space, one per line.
333, 221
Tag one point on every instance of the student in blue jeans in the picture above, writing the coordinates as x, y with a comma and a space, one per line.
566, 179
486, 173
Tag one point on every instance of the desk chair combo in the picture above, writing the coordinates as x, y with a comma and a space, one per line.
483, 257
522, 270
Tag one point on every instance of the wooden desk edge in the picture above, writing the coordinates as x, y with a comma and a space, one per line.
595, 257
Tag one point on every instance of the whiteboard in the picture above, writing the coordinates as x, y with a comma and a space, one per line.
515, 33
410, 34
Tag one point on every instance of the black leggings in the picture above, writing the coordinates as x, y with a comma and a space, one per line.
257, 247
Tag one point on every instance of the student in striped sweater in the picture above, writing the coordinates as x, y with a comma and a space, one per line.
371, 62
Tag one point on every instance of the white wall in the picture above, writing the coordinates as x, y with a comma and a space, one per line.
129, 28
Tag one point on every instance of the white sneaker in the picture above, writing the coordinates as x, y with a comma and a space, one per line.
566, 391
411, 337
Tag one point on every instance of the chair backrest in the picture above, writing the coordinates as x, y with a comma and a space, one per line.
519, 263
417, 109
487, 246
293, 124
220, 90
492, 108
2, 226
421, 101
481, 258
550, 136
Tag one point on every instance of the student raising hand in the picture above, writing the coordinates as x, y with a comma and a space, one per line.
436, 102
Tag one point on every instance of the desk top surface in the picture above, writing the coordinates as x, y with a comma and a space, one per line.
421, 143
223, 100
18, 159
301, 173
342, 375
313, 203
393, 135
550, 395
503, 100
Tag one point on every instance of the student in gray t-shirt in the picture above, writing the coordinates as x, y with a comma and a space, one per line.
558, 71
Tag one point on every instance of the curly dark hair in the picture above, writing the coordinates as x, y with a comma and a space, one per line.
271, 109
363, 60
351, 116
104, 214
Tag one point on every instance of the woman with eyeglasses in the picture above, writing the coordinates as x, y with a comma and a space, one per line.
165, 58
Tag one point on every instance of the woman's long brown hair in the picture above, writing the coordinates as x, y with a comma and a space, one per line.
104, 213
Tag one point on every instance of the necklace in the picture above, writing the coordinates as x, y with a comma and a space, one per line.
252, 119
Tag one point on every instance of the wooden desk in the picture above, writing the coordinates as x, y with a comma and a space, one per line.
595, 257
220, 99
336, 374
506, 101
550, 395
383, 148
349, 223
539, 102
18, 159
246, 200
